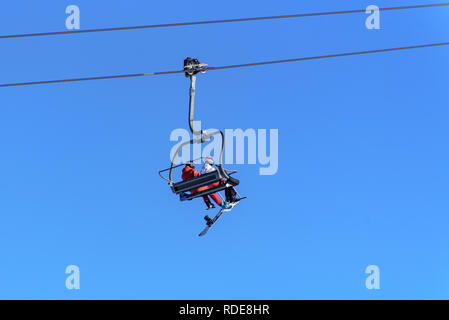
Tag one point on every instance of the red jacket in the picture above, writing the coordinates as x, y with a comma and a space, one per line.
189, 173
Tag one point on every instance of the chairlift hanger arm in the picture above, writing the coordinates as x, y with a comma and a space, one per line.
191, 68
192, 106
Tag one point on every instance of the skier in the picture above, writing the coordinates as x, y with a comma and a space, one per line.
190, 172
208, 165
231, 194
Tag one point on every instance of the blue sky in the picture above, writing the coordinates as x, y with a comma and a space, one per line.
363, 174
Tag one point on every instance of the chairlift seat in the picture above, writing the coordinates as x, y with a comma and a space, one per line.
203, 180
190, 196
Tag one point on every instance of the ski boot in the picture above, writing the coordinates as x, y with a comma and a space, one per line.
210, 205
225, 205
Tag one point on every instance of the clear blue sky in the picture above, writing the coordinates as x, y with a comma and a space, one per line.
363, 157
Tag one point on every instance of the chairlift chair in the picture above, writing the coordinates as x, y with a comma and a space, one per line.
192, 67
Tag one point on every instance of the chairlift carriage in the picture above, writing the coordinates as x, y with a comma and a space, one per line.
221, 176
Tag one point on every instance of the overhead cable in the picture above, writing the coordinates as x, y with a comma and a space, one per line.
328, 56
180, 24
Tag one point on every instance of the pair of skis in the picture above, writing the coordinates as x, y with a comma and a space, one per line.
210, 222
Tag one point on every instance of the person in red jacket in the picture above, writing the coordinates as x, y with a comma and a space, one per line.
190, 172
